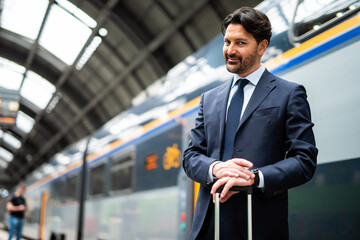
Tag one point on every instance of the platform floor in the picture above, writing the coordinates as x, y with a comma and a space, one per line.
4, 235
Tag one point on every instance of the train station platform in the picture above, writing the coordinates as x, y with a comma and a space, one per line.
5, 234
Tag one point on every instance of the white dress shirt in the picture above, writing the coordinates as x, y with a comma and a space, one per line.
248, 91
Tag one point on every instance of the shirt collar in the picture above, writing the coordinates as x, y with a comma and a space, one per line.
254, 77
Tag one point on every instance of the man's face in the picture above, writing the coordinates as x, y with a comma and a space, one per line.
21, 191
242, 53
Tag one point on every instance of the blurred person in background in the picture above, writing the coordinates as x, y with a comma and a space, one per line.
16, 208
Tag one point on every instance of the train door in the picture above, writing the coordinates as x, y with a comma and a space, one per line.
188, 188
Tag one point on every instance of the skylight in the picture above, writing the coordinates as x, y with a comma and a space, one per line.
31, 12
5, 155
24, 122
64, 38
66, 30
11, 74
37, 90
3, 163
12, 141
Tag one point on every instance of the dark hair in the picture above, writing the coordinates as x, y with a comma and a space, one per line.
254, 21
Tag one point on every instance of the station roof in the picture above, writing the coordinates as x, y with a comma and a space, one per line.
77, 64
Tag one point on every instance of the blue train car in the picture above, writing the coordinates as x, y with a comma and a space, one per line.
135, 188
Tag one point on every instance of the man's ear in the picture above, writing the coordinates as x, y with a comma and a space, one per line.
262, 47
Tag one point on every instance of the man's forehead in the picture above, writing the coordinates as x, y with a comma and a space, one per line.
237, 31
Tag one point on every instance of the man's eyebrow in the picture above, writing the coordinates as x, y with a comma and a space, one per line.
237, 39
241, 39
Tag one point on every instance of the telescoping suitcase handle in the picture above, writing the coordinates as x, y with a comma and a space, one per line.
248, 189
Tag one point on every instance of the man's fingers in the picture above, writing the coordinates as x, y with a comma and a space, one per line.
226, 188
248, 174
228, 183
236, 167
243, 162
218, 183
227, 196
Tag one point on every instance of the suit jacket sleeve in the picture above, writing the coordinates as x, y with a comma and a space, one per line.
196, 163
300, 161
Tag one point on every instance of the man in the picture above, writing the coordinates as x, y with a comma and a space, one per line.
17, 207
257, 120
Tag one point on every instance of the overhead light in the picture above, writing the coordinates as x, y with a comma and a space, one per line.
103, 32
88, 52
4, 193
52, 104
339, 14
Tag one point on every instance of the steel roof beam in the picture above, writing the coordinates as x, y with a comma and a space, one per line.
103, 16
146, 53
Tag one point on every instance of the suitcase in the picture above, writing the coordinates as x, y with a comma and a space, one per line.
248, 189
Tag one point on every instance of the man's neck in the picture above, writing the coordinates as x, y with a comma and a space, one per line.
253, 69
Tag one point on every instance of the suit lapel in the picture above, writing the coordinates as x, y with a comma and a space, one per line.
221, 105
265, 85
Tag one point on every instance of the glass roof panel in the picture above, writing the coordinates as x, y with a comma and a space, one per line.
37, 90
5, 154
24, 122
12, 141
31, 12
11, 74
3, 163
82, 16
64, 38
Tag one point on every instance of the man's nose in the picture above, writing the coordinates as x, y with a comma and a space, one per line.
231, 49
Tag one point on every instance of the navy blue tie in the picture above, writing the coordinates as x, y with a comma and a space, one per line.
233, 119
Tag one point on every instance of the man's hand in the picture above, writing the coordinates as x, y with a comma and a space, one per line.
229, 182
236, 167
21, 207
233, 172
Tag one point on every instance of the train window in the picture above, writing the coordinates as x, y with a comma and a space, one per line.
312, 17
122, 173
64, 188
58, 189
97, 180
71, 187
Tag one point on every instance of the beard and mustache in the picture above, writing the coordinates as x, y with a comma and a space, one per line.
241, 66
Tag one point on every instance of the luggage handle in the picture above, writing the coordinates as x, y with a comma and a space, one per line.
236, 189
248, 189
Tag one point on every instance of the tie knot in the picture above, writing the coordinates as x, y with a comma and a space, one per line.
242, 82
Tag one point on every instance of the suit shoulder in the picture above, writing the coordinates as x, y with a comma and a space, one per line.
287, 84
215, 90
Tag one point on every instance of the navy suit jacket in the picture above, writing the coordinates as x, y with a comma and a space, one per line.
275, 134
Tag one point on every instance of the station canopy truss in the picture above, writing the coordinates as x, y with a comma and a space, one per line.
71, 66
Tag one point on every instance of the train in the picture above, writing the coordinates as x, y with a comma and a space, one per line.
126, 181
